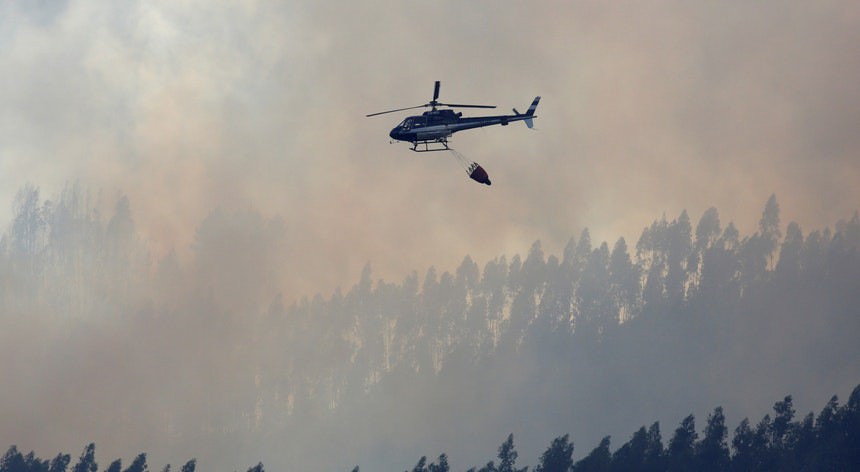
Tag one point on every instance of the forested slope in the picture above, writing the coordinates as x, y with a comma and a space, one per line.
201, 351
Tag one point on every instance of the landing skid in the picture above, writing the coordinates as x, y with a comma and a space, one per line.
427, 145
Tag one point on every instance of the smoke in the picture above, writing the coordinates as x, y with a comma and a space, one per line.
213, 116
190, 107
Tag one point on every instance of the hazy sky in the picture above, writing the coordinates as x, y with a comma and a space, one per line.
197, 109
648, 107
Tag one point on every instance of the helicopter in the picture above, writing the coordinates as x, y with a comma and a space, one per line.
430, 130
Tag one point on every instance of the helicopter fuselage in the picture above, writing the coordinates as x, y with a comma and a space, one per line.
436, 126
441, 124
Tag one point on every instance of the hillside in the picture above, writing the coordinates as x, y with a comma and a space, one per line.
202, 358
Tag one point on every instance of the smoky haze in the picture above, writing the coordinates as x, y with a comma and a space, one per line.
647, 109
200, 128
205, 359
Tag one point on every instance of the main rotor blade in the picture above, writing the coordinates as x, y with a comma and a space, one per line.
399, 109
465, 106
436, 90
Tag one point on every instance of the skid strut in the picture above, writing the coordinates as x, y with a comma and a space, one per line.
442, 145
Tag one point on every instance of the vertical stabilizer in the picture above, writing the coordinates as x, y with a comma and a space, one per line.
533, 107
531, 113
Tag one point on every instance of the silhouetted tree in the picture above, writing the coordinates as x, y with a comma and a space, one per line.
550, 328
788, 266
830, 437
782, 423
757, 250
28, 222
769, 227
60, 463
489, 467
257, 468
472, 317
598, 460
801, 444
851, 422
34, 464
631, 456
651, 256
682, 446
654, 452
577, 259
12, 461
720, 273
420, 466
743, 457
441, 464
87, 461
138, 464
813, 260
190, 466
493, 284
525, 282
508, 457
763, 444
595, 310
679, 253
706, 235
558, 457
624, 282
115, 466
712, 453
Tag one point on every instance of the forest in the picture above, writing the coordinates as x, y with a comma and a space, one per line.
201, 350
830, 441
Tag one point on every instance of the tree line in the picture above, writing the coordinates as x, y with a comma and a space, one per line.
691, 288
830, 441
15, 461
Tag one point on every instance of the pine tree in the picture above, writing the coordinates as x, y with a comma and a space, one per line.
12, 461
189, 466
712, 453
60, 463
87, 461
598, 460
682, 446
558, 457
508, 457
138, 464
257, 468
441, 464
420, 466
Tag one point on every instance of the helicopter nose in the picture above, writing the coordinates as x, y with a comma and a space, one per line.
393, 133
